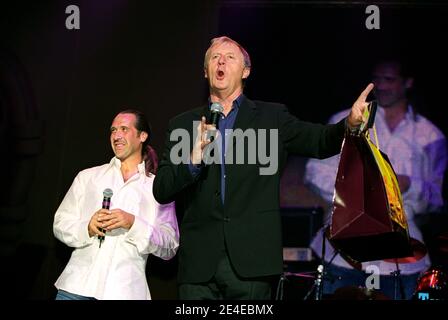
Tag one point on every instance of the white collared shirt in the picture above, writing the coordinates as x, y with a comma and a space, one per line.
117, 269
416, 148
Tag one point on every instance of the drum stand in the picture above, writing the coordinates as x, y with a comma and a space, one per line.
318, 284
398, 284
279, 293
317, 287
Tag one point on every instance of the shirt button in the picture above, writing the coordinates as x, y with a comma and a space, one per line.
226, 219
217, 193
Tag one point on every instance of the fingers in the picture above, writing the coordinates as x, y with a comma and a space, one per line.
114, 224
200, 127
203, 133
100, 232
114, 220
205, 143
105, 216
202, 139
95, 229
357, 115
96, 224
363, 96
203, 125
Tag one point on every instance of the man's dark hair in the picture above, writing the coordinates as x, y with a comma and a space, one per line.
148, 153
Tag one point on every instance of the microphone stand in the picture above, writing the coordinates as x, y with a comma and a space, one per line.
318, 282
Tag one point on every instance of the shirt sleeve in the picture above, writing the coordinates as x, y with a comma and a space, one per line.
69, 226
425, 191
160, 238
320, 176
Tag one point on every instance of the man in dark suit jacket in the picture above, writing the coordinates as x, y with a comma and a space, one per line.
230, 234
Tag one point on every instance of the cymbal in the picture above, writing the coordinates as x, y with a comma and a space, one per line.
419, 251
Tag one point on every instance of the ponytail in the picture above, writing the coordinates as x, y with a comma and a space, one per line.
151, 160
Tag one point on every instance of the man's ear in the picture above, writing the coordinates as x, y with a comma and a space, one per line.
143, 136
205, 73
246, 72
409, 82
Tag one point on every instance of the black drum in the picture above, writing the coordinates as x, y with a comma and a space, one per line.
432, 285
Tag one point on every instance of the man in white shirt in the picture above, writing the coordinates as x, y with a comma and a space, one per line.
418, 152
135, 226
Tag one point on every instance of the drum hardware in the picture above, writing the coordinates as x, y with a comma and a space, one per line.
432, 285
418, 252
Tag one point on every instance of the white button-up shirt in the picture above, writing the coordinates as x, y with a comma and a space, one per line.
117, 269
417, 149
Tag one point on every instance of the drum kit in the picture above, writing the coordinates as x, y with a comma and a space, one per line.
431, 285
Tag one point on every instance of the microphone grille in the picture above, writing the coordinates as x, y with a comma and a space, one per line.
216, 107
108, 193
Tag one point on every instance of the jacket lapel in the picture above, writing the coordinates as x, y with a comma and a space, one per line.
246, 114
245, 120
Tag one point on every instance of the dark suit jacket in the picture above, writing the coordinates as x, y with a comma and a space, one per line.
248, 223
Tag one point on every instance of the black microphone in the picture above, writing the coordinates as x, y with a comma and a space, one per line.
216, 110
107, 194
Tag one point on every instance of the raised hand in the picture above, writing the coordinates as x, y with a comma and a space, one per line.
356, 116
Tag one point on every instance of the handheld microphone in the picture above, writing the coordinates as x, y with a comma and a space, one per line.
216, 110
107, 194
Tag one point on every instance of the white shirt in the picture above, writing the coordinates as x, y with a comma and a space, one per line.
416, 148
117, 269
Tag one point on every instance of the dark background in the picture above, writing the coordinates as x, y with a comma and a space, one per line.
61, 88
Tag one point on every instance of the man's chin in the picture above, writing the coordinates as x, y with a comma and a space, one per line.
119, 157
384, 103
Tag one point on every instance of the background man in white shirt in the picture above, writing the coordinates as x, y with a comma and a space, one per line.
418, 152
135, 226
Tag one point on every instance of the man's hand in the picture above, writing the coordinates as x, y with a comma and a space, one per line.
94, 226
116, 218
201, 141
356, 116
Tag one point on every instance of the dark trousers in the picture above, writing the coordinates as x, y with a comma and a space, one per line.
227, 285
